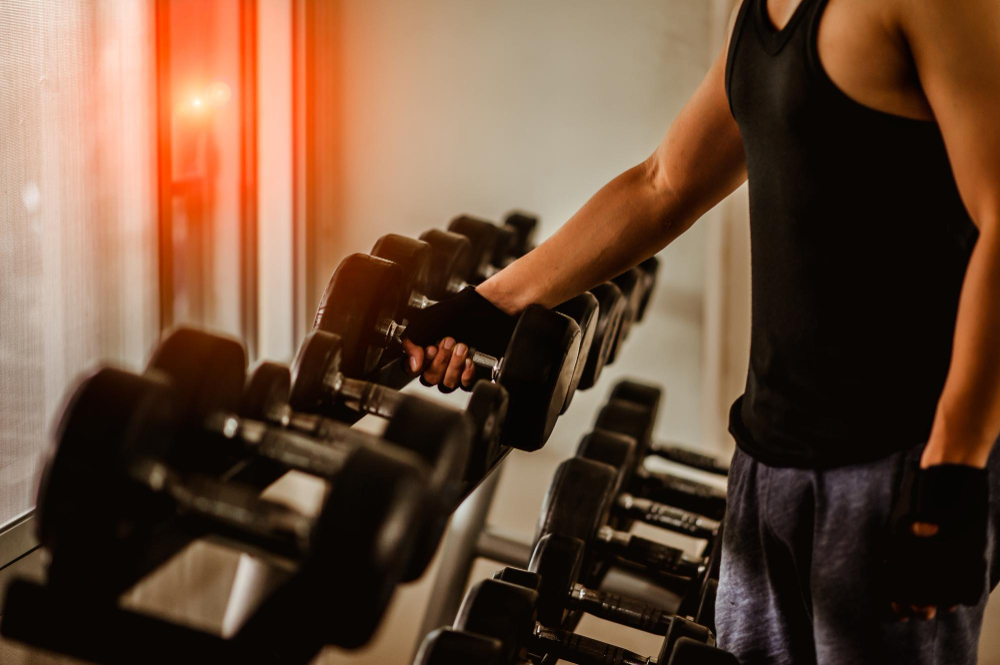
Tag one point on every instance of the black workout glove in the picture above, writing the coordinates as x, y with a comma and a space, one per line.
467, 317
948, 568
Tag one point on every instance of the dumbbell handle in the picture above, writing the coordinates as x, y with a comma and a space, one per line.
292, 449
364, 396
621, 610
657, 556
682, 493
235, 513
668, 517
690, 458
582, 650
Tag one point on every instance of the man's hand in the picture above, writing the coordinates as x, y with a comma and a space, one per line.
936, 554
444, 367
437, 339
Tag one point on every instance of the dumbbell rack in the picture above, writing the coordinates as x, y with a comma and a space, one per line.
93, 626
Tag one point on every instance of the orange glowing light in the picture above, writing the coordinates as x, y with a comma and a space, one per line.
219, 93
196, 102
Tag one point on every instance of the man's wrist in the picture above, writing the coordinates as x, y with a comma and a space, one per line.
494, 289
943, 449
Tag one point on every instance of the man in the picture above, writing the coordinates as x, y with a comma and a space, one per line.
868, 132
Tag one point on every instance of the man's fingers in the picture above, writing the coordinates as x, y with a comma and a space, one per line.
469, 373
924, 529
436, 369
416, 357
902, 612
455, 366
924, 612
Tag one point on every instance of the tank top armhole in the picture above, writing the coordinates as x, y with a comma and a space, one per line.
734, 39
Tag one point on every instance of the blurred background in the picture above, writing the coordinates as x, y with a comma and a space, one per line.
211, 161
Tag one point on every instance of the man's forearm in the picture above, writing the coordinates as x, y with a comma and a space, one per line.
968, 414
628, 220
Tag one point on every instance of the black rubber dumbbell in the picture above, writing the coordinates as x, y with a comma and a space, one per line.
509, 613
414, 259
620, 452
492, 245
208, 373
579, 503
637, 419
650, 267
110, 498
557, 565
319, 387
432, 266
524, 226
611, 308
447, 646
365, 300
630, 284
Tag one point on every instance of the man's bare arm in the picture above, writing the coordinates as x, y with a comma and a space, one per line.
957, 55
699, 162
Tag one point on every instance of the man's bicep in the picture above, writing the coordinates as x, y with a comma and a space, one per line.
701, 160
957, 56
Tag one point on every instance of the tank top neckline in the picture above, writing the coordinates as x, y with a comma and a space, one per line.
773, 38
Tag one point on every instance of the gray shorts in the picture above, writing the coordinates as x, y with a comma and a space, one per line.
800, 568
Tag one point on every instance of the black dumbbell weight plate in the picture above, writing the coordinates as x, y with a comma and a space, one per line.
487, 241
364, 293
452, 258
318, 355
611, 308
691, 652
487, 409
441, 437
630, 284
649, 268
79, 502
524, 226
411, 255
537, 372
208, 372
375, 511
629, 418
683, 628
447, 646
266, 391
501, 610
558, 560
584, 309
644, 394
579, 500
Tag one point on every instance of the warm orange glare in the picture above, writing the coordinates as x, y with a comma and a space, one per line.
219, 93
196, 102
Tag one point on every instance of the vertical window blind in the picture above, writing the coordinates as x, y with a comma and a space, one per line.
78, 270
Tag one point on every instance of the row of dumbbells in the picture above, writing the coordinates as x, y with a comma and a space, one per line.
145, 463
528, 615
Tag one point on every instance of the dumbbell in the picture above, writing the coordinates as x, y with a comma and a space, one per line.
110, 497
578, 504
630, 283
447, 646
319, 387
555, 572
619, 452
611, 308
649, 269
492, 245
365, 299
414, 259
524, 226
638, 420
208, 373
509, 613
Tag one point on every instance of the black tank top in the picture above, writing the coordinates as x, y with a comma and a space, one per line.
860, 243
